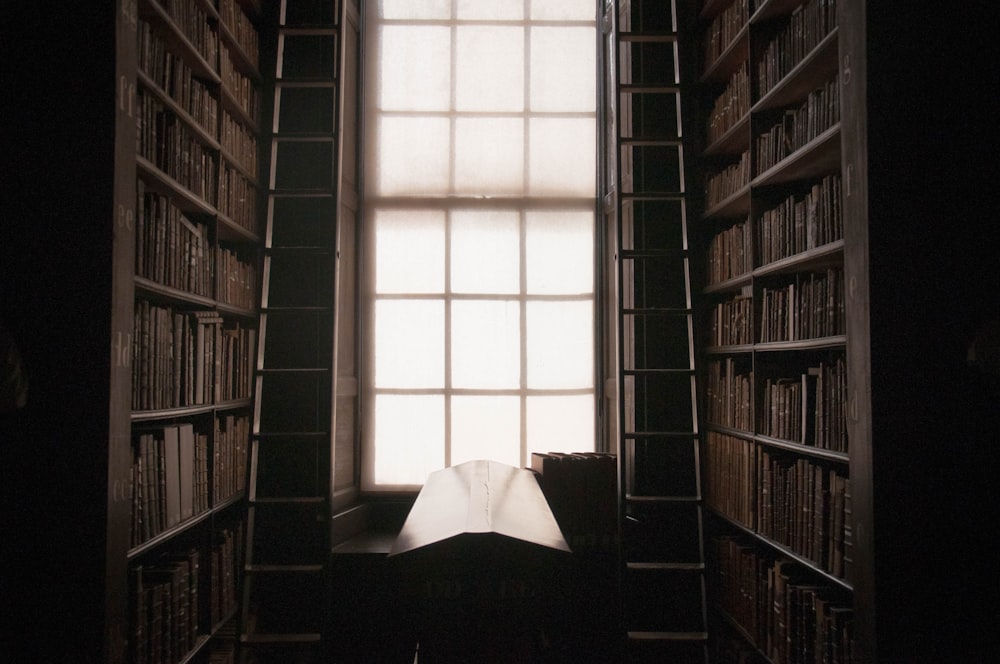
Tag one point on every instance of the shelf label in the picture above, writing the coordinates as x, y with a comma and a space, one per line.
126, 217
126, 96
130, 14
845, 76
121, 350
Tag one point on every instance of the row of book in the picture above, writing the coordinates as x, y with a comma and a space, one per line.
729, 253
582, 491
727, 182
798, 126
810, 409
174, 473
724, 29
167, 607
229, 458
790, 617
235, 279
170, 248
806, 28
806, 507
239, 85
174, 148
729, 395
172, 75
731, 320
170, 479
801, 223
191, 19
809, 306
790, 500
238, 197
188, 358
241, 28
731, 106
239, 142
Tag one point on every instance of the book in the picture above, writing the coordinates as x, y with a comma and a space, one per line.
186, 468
172, 475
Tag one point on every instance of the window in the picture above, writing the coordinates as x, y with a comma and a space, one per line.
479, 196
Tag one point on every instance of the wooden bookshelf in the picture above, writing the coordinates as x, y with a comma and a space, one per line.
844, 455
776, 460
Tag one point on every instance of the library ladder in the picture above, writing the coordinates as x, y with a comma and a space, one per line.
663, 584
292, 461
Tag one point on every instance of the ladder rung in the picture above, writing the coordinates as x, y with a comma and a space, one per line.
264, 639
673, 196
668, 636
295, 310
662, 499
303, 137
307, 31
293, 370
657, 311
304, 193
278, 435
288, 500
647, 36
304, 83
283, 569
683, 567
639, 141
316, 249
657, 372
649, 88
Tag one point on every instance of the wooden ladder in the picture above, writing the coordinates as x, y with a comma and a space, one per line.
292, 470
663, 584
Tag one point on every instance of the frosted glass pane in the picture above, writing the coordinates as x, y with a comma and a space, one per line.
574, 10
409, 438
490, 10
414, 72
560, 344
563, 69
485, 252
402, 9
409, 343
560, 424
489, 156
485, 344
561, 156
409, 251
412, 156
486, 427
489, 68
560, 252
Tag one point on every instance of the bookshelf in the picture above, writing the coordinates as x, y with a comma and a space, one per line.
191, 68
777, 461
138, 331
811, 443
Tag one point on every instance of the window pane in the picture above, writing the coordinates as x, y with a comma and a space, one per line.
486, 344
425, 9
486, 427
409, 439
561, 424
409, 343
489, 156
487, 10
415, 68
409, 251
561, 156
577, 10
563, 69
560, 345
560, 252
413, 156
485, 254
489, 68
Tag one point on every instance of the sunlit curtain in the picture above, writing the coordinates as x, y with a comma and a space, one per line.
479, 196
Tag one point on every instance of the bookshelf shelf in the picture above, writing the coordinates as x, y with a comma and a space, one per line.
819, 65
722, 67
181, 196
736, 205
819, 157
733, 142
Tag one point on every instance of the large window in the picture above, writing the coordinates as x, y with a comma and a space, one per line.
479, 195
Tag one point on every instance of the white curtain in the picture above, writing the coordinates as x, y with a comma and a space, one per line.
480, 190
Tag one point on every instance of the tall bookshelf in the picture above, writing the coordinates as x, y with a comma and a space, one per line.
136, 318
194, 80
820, 438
